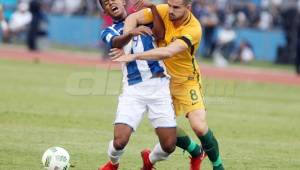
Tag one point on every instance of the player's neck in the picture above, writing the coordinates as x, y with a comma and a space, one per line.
121, 18
181, 21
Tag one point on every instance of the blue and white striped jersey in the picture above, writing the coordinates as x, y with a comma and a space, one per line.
140, 70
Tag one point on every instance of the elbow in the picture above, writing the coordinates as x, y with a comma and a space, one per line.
159, 35
116, 44
162, 35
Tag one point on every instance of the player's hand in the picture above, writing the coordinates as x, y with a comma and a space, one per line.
116, 53
140, 4
126, 58
141, 30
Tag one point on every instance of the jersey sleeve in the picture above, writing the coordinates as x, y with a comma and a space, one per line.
191, 35
107, 36
162, 10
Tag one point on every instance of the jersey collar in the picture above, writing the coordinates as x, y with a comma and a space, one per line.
118, 21
188, 19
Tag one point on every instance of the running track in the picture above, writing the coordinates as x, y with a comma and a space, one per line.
81, 59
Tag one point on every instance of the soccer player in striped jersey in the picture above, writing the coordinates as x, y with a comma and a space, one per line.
182, 38
145, 89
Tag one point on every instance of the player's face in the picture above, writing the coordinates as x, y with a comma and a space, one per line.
177, 9
114, 8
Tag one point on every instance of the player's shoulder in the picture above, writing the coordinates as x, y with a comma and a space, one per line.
118, 26
162, 9
105, 32
162, 6
115, 29
194, 22
192, 30
193, 26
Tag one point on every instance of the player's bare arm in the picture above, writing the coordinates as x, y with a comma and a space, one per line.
135, 19
158, 30
121, 40
155, 54
158, 24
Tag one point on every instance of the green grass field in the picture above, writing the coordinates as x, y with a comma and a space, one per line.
43, 105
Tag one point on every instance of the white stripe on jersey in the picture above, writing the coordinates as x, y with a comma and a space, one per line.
108, 37
137, 46
142, 64
112, 28
124, 71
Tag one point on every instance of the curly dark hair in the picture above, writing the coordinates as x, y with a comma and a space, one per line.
100, 3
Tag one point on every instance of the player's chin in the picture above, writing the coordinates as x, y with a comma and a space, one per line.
116, 15
172, 18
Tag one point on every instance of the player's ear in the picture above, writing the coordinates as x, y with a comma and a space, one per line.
104, 12
189, 7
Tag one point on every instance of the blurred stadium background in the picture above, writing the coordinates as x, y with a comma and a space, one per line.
58, 87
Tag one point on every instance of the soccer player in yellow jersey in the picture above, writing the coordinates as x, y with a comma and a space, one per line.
182, 38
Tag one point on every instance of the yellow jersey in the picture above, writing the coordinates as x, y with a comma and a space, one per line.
183, 66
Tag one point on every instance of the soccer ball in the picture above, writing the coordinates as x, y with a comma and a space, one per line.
56, 158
